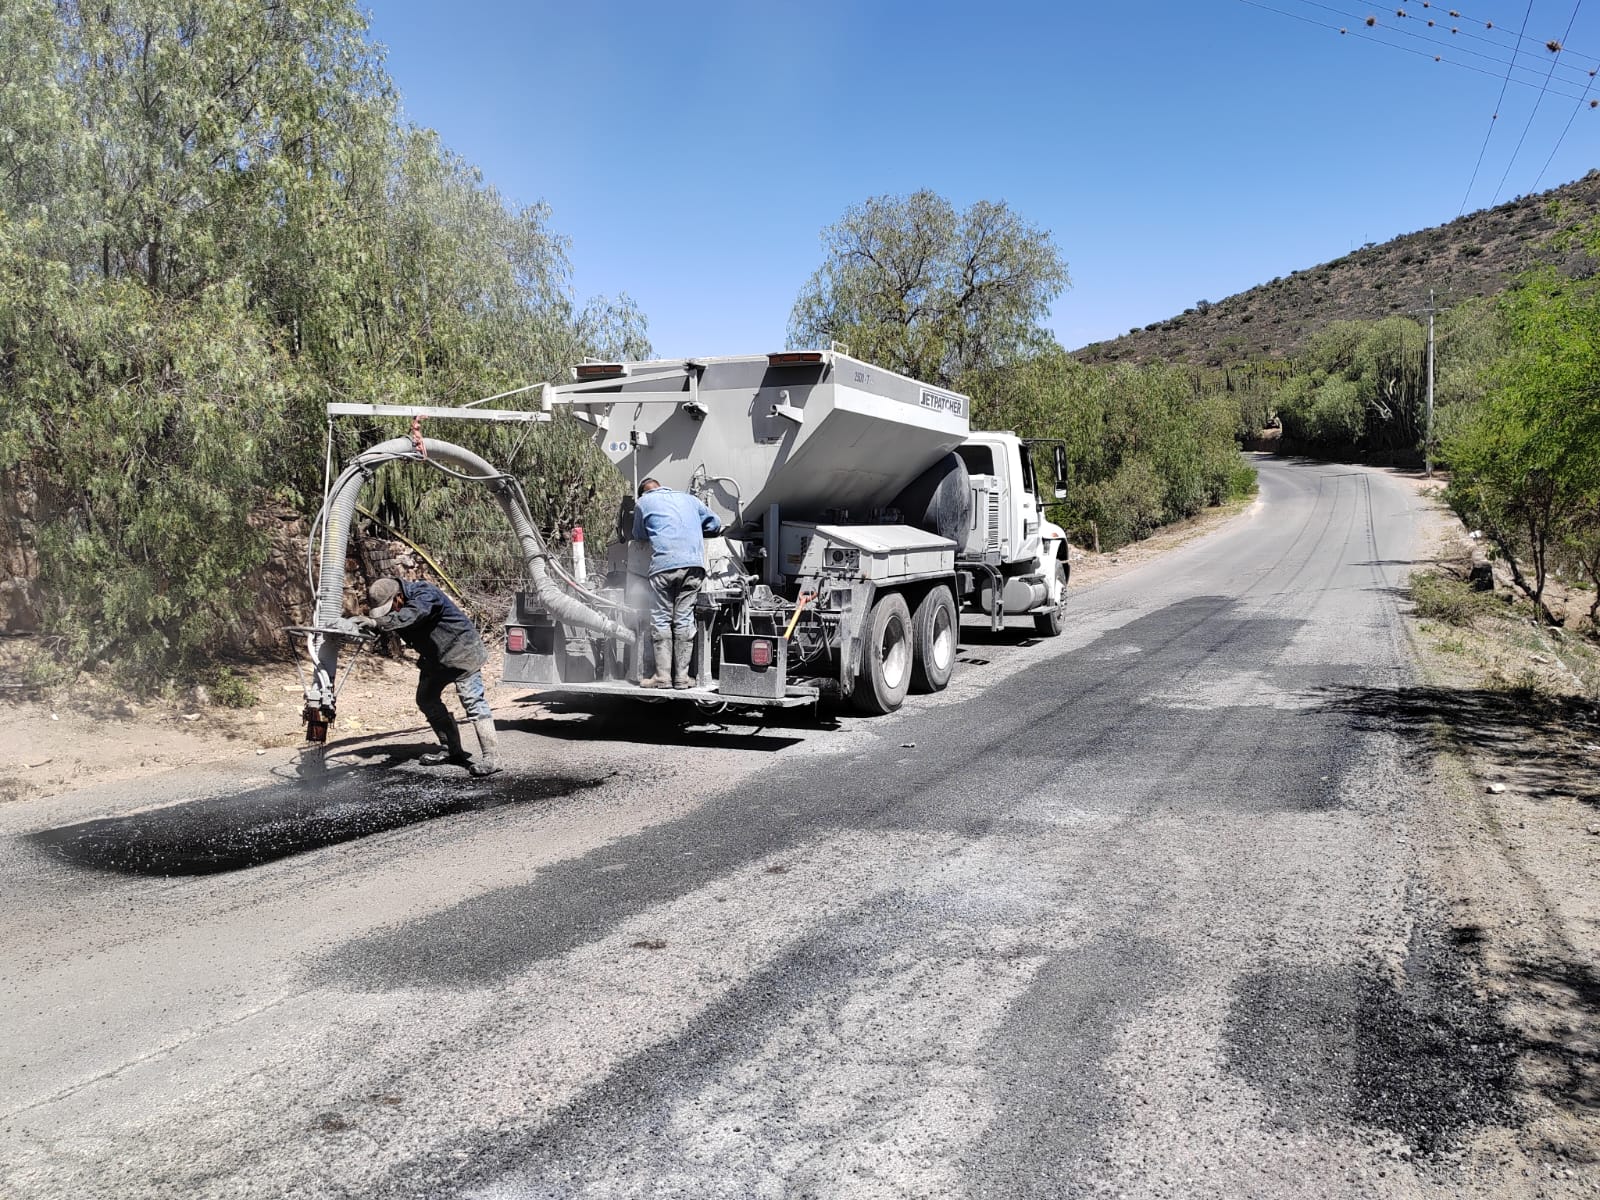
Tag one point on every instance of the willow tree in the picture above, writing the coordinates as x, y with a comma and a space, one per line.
912, 284
212, 222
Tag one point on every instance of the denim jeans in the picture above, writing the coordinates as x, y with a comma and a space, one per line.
469, 689
673, 593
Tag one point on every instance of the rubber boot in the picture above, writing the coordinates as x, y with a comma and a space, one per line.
450, 750
663, 647
682, 662
488, 760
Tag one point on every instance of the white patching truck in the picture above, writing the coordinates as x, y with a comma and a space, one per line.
861, 517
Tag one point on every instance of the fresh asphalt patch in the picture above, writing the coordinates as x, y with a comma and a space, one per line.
280, 820
1420, 1053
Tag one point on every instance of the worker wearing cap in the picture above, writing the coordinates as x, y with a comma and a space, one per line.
449, 650
676, 525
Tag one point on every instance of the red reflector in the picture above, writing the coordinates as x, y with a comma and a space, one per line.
516, 640
791, 358
599, 370
760, 654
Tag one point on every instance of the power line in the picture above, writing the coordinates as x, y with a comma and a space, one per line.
1372, 22
1498, 187
1573, 116
1557, 74
1437, 58
1495, 116
1493, 42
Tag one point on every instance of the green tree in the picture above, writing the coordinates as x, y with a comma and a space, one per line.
912, 284
193, 132
1527, 461
122, 414
213, 222
1359, 386
1146, 445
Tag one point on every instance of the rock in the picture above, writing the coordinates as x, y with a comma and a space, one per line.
1595, 830
1495, 788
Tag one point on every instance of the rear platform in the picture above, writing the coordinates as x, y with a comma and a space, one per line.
793, 697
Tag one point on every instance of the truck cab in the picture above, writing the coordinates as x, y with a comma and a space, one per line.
1014, 552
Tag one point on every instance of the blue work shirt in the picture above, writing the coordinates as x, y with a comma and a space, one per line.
429, 622
676, 524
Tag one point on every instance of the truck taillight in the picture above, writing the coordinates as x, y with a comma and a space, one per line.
516, 640
760, 654
794, 358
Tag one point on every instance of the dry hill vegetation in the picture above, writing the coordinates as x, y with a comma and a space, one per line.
1473, 256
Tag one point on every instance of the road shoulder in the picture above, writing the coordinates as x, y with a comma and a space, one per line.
1502, 713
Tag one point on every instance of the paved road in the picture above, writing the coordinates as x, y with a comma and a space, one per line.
1138, 911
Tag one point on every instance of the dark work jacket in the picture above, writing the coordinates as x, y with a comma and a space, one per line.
431, 624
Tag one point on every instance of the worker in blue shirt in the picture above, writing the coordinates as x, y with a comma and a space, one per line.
676, 525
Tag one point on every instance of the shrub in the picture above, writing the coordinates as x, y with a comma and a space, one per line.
1148, 445
1445, 598
1128, 506
233, 689
1524, 686
1242, 482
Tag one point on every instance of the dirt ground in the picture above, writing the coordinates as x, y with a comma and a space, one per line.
1503, 718
60, 739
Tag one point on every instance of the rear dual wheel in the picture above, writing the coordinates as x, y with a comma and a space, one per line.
886, 657
903, 650
937, 628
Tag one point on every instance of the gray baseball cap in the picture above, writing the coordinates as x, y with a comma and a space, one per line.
382, 593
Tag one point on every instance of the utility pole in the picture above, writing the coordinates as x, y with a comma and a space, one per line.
1427, 436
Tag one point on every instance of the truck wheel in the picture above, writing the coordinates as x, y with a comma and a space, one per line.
1050, 624
936, 628
886, 657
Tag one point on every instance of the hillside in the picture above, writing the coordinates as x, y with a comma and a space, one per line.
1472, 256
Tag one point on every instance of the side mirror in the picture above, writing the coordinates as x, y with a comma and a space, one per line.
1060, 465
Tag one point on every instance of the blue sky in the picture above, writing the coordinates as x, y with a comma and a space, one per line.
693, 152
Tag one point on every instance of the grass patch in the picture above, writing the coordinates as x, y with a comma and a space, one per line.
1523, 686
232, 689
1444, 598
